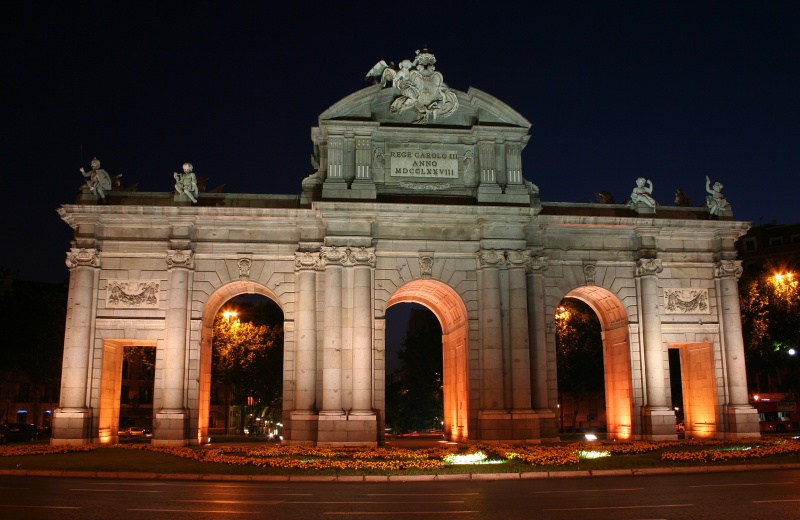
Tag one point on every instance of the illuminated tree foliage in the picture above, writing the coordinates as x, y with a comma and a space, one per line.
770, 308
414, 397
247, 358
579, 352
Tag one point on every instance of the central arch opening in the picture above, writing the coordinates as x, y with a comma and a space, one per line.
451, 313
616, 358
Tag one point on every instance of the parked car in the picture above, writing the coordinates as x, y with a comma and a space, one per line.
133, 431
18, 432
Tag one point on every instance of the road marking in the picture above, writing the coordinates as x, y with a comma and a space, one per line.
419, 494
263, 494
618, 507
116, 490
750, 484
584, 491
404, 513
39, 507
770, 501
198, 511
251, 502
380, 502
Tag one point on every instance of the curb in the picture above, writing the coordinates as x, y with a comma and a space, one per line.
533, 475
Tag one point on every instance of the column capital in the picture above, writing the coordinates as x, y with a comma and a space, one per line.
725, 268
518, 258
362, 256
648, 267
307, 261
537, 264
180, 258
79, 257
490, 258
332, 255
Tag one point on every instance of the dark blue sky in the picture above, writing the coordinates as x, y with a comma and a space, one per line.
669, 90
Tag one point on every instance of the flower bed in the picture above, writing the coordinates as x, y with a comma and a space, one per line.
392, 459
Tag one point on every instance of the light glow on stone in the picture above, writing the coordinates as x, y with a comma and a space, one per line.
593, 454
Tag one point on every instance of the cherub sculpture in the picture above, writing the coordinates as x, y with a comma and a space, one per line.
642, 193
716, 201
98, 180
186, 182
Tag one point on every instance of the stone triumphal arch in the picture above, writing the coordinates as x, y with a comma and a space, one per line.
418, 196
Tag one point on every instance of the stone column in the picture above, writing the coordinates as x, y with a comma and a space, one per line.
659, 418
740, 417
488, 189
726, 275
333, 258
169, 420
71, 419
537, 332
306, 265
491, 327
363, 260
518, 319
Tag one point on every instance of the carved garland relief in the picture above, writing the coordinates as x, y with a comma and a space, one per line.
686, 301
132, 294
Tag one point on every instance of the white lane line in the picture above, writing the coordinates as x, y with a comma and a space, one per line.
117, 490
381, 502
749, 484
419, 494
213, 511
12, 506
618, 507
584, 491
772, 501
248, 502
262, 494
404, 513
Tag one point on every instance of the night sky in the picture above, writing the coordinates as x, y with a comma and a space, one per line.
668, 90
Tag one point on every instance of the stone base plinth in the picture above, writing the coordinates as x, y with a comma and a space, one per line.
71, 427
517, 426
347, 430
169, 428
741, 421
658, 424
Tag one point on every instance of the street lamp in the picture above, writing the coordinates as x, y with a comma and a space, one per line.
229, 314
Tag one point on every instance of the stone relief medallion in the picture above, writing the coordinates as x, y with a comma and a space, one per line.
132, 294
589, 272
686, 301
426, 266
244, 268
422, 88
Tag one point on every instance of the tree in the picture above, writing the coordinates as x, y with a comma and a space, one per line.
247, 359
579, 352
32, 323
770, 307
414, 395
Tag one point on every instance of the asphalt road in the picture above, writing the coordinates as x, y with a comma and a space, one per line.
740, 495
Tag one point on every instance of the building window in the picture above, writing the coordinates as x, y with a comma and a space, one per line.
750, 244
777, 241
125, 395
145, 395
126, 368
24, 393
795, 239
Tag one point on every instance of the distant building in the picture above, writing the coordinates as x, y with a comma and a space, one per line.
770, 248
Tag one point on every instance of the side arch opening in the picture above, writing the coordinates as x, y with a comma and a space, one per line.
616, 358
